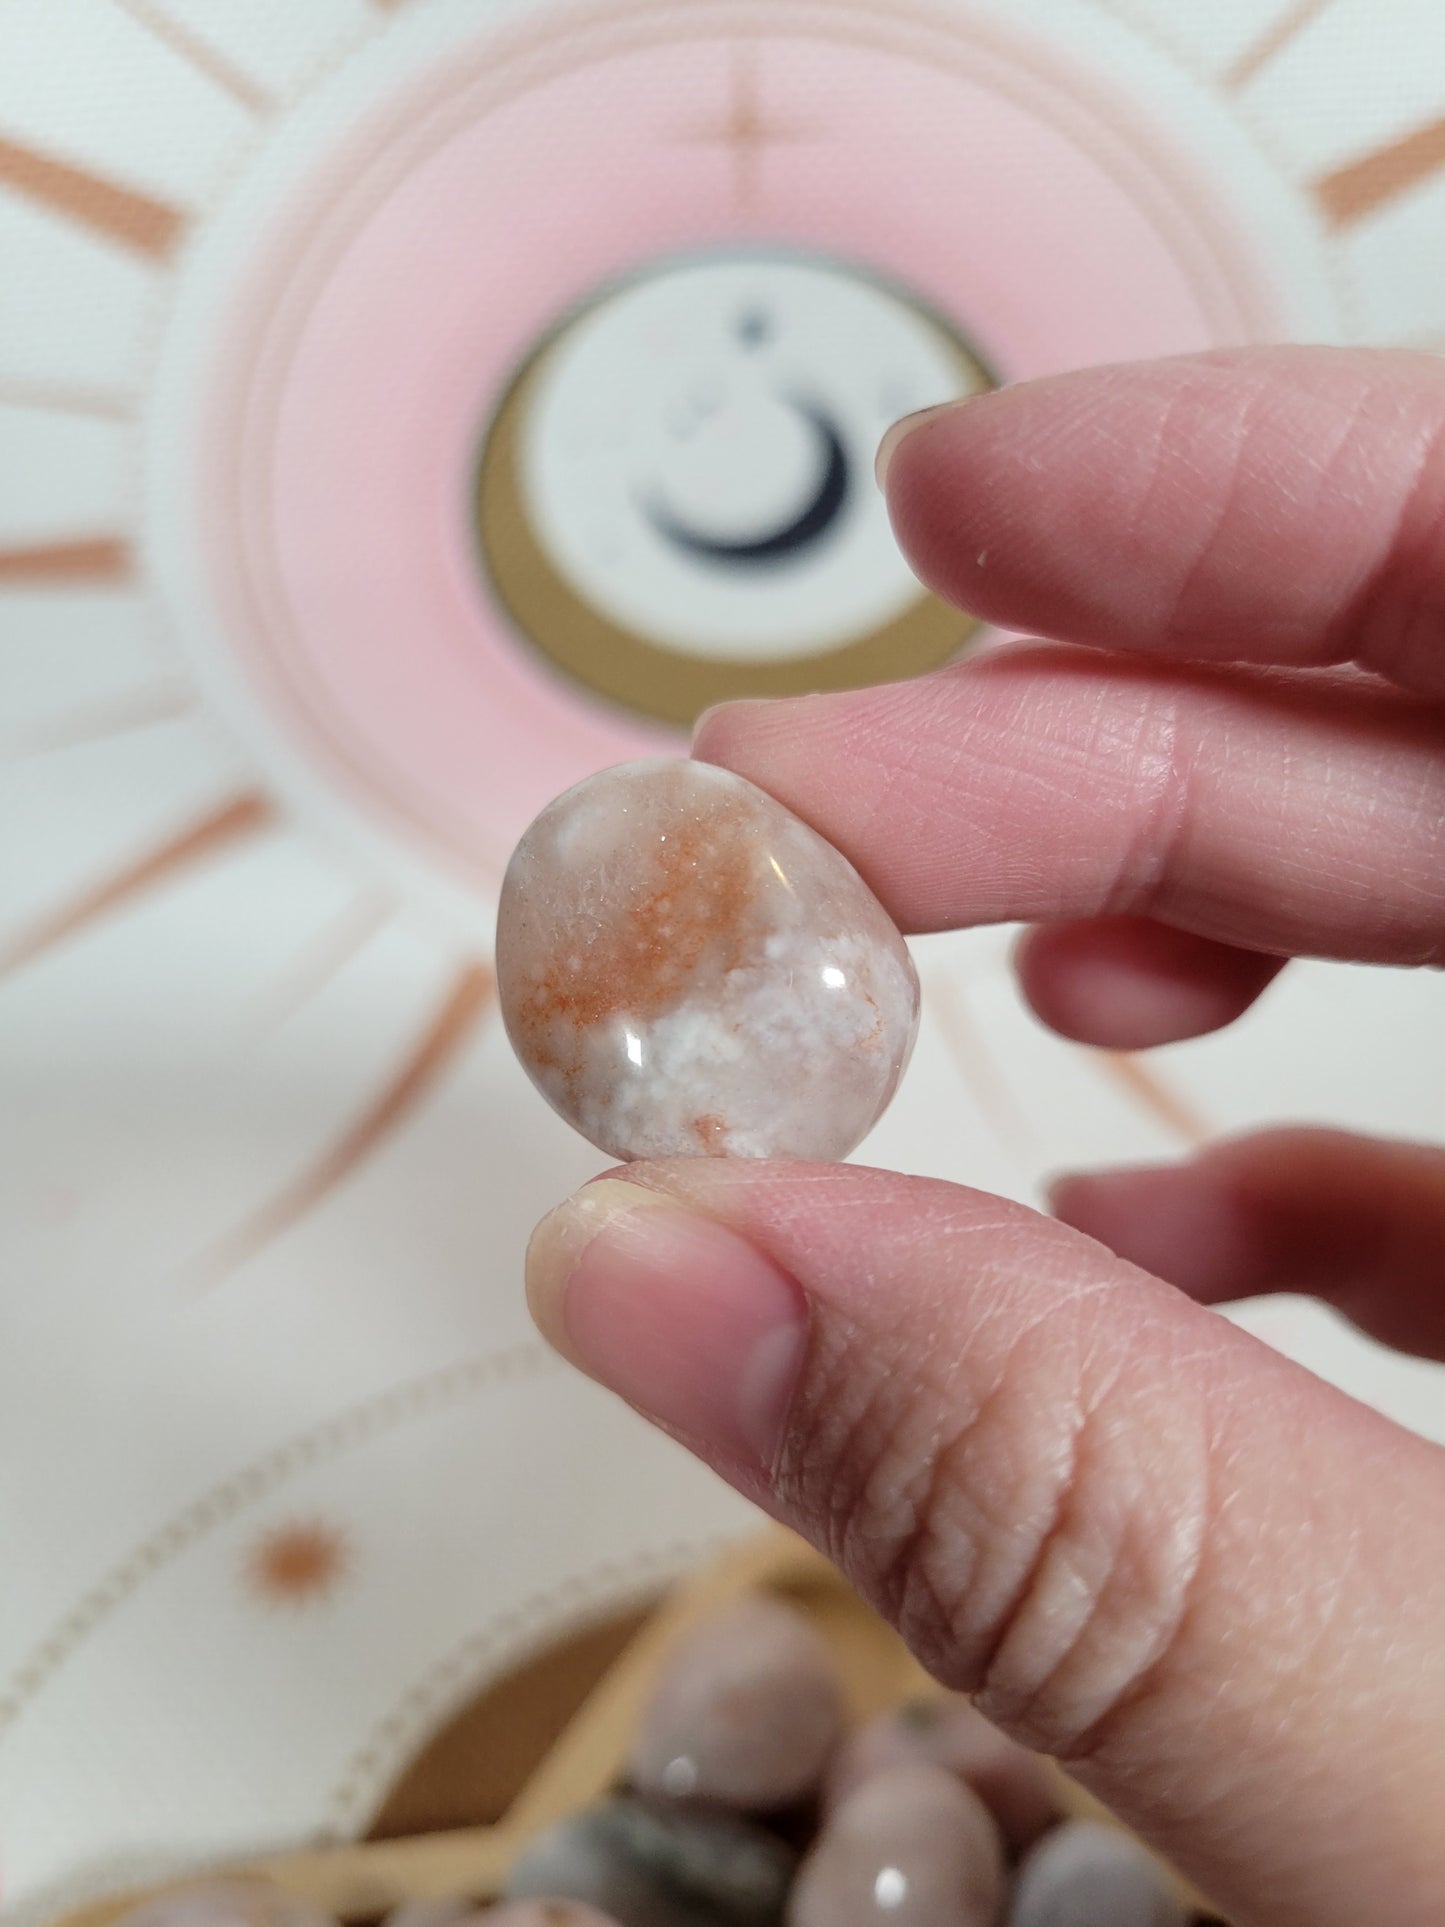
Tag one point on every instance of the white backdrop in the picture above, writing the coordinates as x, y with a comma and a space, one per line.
283, 1475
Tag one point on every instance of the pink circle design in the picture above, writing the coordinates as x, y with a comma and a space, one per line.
386, 314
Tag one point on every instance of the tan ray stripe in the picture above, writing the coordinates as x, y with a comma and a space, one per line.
101, 558
328, 953
120, 214
444, 1039
63, 399
977, 1067
203, 57
1150, 1092
1274, 40
138, 710
242, 817
1363, 186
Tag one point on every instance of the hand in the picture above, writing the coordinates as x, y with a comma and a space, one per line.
1211, 1584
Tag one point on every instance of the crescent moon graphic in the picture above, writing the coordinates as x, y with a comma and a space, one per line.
801, 533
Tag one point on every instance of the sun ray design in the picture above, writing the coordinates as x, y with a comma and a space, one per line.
244, 816
978, 1068
1365, 185
467, 1001
98, 558
66, 398
746, 130
327, 954
298, 1564
1150, 1093
118, 214
199, 53
1273, 41
160, 702
323, 1443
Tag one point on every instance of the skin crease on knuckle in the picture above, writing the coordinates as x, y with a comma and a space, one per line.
1181, 773
1184, 416
1287, 506
1299, 813
1033, 1526
1396, 624
1156, 781
1062, 1511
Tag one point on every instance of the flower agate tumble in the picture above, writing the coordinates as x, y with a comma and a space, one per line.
910, 1847
685, 968
945, 1730
227, 1903
1084, 1872
650, 1863
745, 1712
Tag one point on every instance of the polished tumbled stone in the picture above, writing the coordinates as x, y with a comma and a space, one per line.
946, 1730
551, 1912
226, 1903
685, 968
435, 1913
649, 1863
1086, 1874
910, 1847
746, 1711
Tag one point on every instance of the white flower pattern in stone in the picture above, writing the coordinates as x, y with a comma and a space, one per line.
685, 968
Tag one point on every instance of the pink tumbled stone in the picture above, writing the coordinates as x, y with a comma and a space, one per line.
435, 1913
746, 1711
685, 968
1085, 1873
946, 1730
910, 1847
226, 1903
544, 1913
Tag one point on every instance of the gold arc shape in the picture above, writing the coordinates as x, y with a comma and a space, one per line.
625, 666
467, 1001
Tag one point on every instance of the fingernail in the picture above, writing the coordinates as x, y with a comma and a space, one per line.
701, 721
676, 1313
901, 430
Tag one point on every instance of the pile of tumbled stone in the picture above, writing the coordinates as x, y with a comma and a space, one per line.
748, 1802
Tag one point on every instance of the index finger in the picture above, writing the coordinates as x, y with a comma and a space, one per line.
1278, 505
1297, 815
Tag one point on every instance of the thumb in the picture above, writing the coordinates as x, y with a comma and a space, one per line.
1208, 1582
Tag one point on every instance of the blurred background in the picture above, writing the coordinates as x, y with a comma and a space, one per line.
406, 408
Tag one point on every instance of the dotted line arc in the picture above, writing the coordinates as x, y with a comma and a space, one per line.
514, 1635
331, 1439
